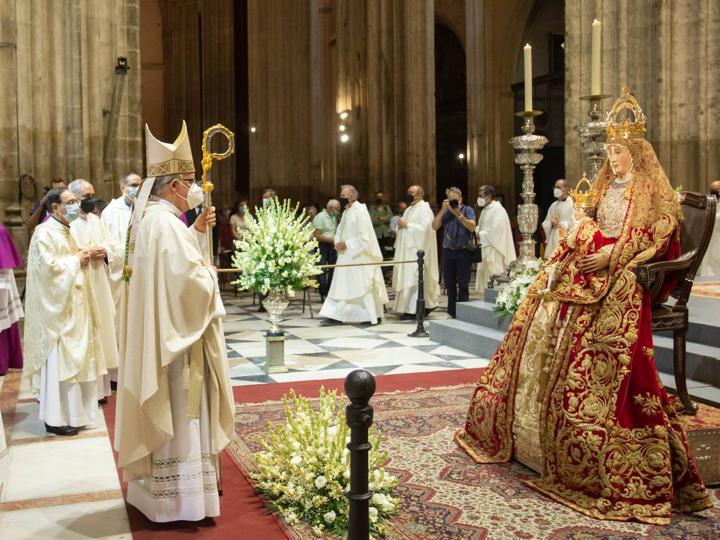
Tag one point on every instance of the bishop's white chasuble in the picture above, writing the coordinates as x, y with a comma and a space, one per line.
175, 405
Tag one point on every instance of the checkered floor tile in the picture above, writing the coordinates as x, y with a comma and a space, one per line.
317, 348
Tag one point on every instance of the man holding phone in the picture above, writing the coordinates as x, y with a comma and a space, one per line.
458, 222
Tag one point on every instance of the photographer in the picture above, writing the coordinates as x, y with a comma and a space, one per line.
458, 222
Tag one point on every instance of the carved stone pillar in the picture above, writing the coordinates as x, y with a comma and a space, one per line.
57, 65
669, 55
386, 79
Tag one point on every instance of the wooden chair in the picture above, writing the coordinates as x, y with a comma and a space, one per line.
695, 231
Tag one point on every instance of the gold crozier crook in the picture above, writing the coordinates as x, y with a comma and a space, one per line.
207, 161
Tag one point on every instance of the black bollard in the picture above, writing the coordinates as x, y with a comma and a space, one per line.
359, 387
420, 304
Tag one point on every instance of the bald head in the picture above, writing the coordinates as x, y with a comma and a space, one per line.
715, 187
417, 193
82, 189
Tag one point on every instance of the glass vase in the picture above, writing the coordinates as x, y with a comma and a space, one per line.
275, 303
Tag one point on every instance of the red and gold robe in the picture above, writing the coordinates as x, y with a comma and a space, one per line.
574, 384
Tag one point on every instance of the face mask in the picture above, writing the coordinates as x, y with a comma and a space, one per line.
408, 198
379, 201
265, 201
344, 202
481, 201
132, 192
72, 212
557, 192
87, 205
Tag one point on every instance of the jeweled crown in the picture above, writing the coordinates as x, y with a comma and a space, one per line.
584, 195
626, 120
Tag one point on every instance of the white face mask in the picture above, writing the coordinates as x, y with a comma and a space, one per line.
481, 201
132, 192
72, 212
557, 192
195, 196
265, 201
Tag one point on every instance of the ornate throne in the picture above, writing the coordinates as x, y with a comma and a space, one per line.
695, 232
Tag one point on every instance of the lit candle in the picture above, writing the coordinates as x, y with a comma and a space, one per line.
528, 77
595, 59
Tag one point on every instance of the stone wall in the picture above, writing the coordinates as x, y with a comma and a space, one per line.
57, 78
668, 52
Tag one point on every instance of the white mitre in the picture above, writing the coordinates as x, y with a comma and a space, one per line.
162, 159
168, 158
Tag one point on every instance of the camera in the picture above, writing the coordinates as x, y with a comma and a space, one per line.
454, 203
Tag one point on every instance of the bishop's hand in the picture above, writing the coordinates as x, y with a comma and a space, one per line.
205, 220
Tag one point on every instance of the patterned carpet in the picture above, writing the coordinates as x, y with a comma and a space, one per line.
446, 496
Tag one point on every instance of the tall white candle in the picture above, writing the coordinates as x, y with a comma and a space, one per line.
595, 58
528, 77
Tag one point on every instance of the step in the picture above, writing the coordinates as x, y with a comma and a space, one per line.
483, 314
704, 327
475, 339
702, 362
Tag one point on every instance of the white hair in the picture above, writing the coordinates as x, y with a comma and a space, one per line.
77, 185
161, 184
332, 202
353, 192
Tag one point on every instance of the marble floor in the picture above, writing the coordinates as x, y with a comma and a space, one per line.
316, 348
68, 488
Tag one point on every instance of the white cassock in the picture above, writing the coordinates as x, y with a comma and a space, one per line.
116, 218
357, 294
88, 232
175, 404
711, 262
419, 235
564, 211
63, 360
496, 240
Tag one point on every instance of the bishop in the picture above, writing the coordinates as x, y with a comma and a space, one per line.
175, 404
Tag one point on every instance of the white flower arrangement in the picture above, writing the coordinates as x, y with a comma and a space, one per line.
510, 296
304, 468
277, 251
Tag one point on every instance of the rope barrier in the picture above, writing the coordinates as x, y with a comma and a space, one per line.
326, 266
419, 303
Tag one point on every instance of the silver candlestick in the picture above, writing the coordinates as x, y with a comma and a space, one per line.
527, 157
593, 136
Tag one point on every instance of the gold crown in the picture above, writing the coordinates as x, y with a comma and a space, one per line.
588, 197
626, 120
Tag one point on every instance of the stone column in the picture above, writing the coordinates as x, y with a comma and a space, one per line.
387, 81
9, 207
493, 33
668, 53
58, 62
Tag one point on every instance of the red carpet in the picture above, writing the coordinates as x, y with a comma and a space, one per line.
242, 511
